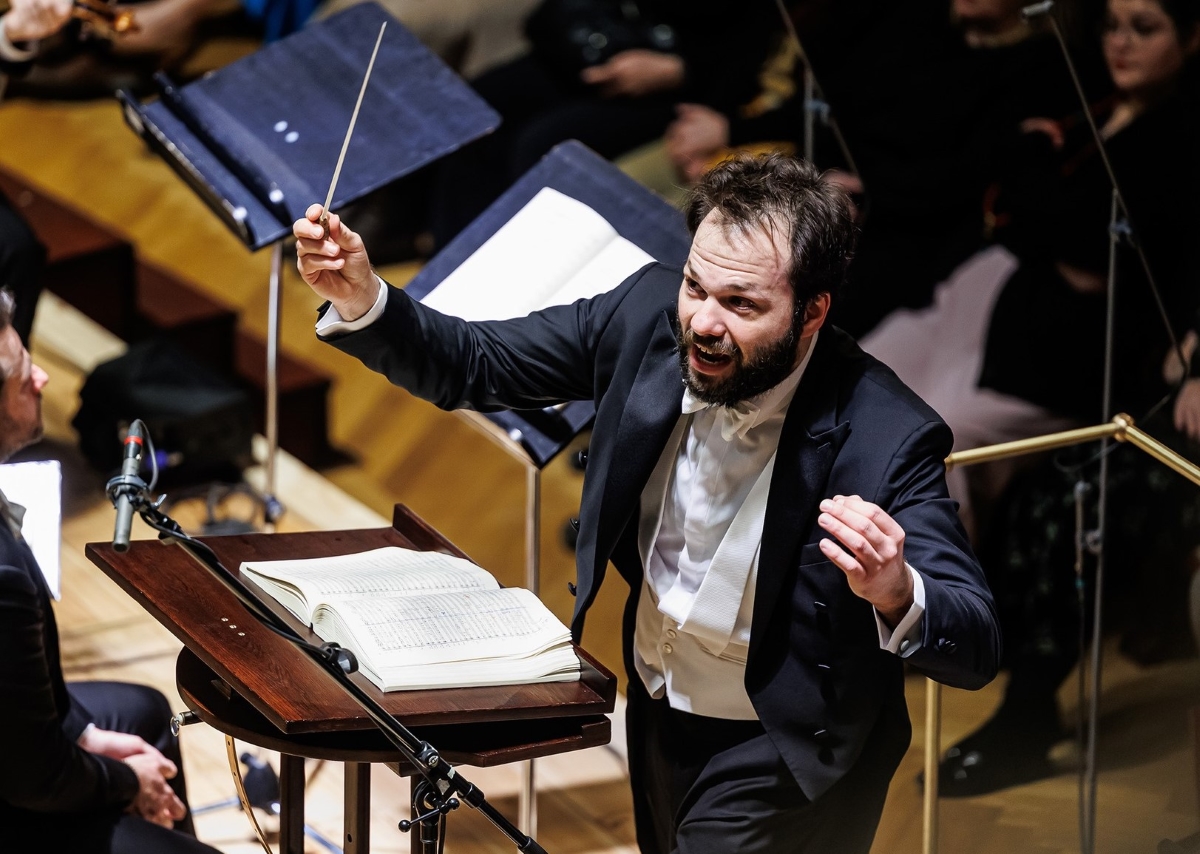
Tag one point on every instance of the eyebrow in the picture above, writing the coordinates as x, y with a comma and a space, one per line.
689, 273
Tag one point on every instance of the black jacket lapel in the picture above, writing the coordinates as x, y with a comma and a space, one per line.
808, 446
648, 416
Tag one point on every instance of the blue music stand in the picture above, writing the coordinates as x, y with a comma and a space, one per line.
258, 140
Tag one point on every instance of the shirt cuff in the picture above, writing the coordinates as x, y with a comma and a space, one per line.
905, 639
10, 52
331, 323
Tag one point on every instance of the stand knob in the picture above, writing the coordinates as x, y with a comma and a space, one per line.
182, 719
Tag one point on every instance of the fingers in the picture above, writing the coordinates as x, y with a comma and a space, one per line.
316, 252
599, 74
166, 767
862, 527
842, 559
176, 809
308, 228
849, 530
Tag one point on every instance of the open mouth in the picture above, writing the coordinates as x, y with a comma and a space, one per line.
705, 357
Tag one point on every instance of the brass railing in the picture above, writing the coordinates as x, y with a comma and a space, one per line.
1120, 428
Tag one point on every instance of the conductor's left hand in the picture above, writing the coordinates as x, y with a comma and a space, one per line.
335, 267
873, 559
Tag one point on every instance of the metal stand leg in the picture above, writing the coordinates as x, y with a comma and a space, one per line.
272, 508
357, 808
291, 804
933, 749
527, 797
428, 819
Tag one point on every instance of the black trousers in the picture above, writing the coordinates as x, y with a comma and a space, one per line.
138, 710
710, 786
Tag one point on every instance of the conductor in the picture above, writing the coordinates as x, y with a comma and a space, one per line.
774, 497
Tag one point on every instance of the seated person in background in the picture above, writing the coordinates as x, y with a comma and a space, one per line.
1013, 346
91, 767
738, 441
924, 95
706, 52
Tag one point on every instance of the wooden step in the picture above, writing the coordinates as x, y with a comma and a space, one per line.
96, 272
303, 402
198, 324
88, 266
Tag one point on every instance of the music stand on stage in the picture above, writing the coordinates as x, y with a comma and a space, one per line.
246, 680
258, 140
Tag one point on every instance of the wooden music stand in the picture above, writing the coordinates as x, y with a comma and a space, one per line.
248, 682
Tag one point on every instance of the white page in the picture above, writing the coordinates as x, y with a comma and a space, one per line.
448, 627
517, 269
615, 263
378, 570
37, 486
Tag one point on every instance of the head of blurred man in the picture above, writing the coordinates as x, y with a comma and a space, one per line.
21, 384
771, 241
987, 16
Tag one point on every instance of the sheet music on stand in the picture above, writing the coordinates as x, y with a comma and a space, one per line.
573, 226
37, 486
258, 139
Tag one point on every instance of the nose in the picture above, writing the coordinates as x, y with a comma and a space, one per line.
708, 321
39, 377
1121, 37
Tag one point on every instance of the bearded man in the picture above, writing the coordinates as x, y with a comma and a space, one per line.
774, 497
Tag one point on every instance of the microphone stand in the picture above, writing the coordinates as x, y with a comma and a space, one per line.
440, 788
1120, 228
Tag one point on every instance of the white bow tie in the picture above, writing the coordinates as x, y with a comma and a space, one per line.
737, 420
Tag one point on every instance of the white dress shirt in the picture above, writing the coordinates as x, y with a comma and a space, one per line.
699, 535
330, 322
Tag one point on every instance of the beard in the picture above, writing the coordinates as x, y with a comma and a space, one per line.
19, 436
763, 369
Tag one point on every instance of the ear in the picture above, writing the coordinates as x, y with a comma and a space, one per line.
814, 314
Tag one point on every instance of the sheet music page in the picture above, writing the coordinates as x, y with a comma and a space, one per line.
531, 256
615, 263
37, 486
442, 627
389, 569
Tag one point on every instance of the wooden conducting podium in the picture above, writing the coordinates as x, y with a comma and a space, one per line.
248, 682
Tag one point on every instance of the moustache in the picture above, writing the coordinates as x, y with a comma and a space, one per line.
715, 346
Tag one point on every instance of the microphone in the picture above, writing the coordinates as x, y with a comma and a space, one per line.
1037, 10
121, 487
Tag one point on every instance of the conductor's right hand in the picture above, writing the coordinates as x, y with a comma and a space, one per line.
335, 267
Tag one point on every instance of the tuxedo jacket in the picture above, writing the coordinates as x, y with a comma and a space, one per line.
46, 780
815, 673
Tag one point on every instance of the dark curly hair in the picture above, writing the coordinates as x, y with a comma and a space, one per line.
773, 191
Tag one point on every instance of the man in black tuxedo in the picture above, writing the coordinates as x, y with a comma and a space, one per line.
774, 497
91, 767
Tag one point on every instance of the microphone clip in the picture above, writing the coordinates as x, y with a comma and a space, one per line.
129, 486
